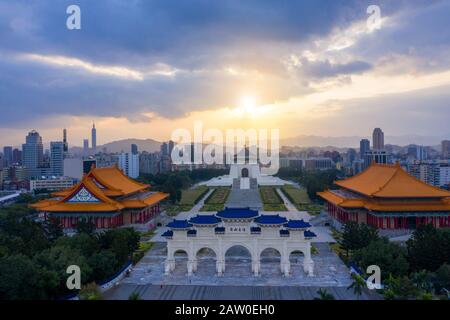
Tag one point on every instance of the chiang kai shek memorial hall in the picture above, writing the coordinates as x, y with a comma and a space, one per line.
239, 227
106, 197
387, 197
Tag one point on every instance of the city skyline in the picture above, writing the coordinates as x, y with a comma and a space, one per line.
328, 76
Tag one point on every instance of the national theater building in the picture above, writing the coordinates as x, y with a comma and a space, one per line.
105, 197
386, 197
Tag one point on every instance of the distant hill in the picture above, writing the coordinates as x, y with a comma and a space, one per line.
148, 145
353, 141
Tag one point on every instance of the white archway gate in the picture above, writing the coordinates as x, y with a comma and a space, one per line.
256, 235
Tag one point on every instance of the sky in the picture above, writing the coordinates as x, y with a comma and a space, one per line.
143, 68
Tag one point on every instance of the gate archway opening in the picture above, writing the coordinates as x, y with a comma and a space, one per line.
206, 261
244, 173
270, 261
238, 260
181, 260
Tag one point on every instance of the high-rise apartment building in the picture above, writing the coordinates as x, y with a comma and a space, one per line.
436, 173
364, 146
445, 149
17, 156
134, 149
85, 146
7, 156
57, 158
378, 139
33, 154
129, 163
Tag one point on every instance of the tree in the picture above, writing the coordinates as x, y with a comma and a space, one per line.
324, 295
134, 296
357, 236
57, 259
81, 242
400, 288
21, 278
90, 291
85, 226
443, 277
122, 242
423, 280
103, 264
54, 229
390, 257
357, 285
428, 248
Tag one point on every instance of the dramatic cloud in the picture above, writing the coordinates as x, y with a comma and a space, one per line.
170, 58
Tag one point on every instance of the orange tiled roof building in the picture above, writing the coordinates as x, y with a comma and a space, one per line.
106, 197
387, 197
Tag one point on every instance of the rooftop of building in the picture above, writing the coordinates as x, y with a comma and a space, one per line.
390, 181
237, 213
102, 190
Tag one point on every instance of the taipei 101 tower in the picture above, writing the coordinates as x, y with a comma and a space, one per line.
94, 137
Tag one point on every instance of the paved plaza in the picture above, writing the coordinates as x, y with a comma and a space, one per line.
328, 270
191, 292
238, 282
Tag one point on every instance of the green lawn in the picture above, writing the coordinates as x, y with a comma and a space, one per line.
192, 196
213, 207
296, 195
271, 199
174, 209
219, 196
216, 200
274, 207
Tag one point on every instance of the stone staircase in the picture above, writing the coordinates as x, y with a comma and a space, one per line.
253, 183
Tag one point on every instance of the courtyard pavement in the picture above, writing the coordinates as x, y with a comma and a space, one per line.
328, 270
147, 278
191, 292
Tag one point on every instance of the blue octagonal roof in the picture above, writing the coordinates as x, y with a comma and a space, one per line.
206, 219
297, 224
179, 224
237, 213
270, 219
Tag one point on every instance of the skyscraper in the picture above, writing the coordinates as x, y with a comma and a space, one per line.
17, 156
94, 138
85, 146
33, 153
7, 156
364, 146
57, 158
445, 149
66, 144
129, 163
134, 149
378, 139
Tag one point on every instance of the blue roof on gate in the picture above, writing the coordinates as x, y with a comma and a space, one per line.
237, 213
206, 219
309, 234
219, 229
297, 224
168, 233
270, 219
179, 224
192, 232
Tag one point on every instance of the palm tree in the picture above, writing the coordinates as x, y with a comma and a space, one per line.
358, 284
134, 296
324, 295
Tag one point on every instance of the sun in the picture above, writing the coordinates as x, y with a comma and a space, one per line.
247, 106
